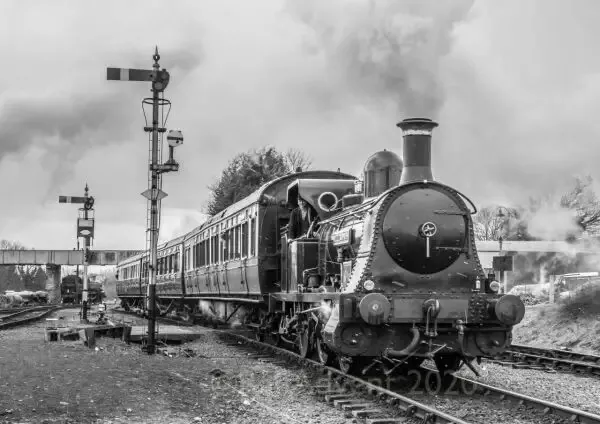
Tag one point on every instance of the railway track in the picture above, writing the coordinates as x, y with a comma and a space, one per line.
476, 388
25, 316
365, 400
356, 396
519, 356
371, 403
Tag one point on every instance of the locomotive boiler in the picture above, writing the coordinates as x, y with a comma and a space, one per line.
388, 275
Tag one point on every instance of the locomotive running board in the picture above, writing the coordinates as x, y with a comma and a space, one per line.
226, 299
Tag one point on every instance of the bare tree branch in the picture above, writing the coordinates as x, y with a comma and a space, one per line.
26, 273
493, 222
584, 201
297, 159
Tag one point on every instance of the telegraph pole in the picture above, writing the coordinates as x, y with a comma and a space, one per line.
154, 194
85, 230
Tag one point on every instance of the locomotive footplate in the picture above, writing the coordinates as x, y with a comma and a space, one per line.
305, 297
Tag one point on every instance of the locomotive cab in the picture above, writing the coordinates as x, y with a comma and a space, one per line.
304, 261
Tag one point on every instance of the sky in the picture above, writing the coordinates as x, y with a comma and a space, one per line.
514, 85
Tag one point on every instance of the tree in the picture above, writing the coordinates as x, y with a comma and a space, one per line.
493, 222
246, 172
583, 200
297, 159
26, 274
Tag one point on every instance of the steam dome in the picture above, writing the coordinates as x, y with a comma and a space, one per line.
382, 171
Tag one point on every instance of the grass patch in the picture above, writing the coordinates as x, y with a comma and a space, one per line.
584, 302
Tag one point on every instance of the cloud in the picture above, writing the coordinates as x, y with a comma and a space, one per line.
522, 87
515, 96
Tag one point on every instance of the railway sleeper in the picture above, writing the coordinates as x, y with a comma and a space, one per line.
357, 406
337, 396
339, 402
365, 413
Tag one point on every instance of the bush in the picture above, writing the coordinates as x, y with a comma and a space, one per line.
585, 301
531, 299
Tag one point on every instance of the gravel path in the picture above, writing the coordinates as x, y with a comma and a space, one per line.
222, 384
65, 382
574, 390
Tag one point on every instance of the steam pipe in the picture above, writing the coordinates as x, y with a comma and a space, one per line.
408, 349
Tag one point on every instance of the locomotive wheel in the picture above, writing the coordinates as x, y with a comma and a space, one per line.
447, 364
259, 335
348, 364
323, 354
273, 339
304, 338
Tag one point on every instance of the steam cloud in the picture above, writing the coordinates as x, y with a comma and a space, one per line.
385, 50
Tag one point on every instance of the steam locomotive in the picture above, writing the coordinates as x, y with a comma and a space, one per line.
71, 290
411, 286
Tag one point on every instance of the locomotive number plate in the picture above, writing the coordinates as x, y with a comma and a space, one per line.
342, 237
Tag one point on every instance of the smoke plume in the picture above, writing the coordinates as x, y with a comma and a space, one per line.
383, 51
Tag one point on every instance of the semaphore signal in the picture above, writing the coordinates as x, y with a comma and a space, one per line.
159, 79
85, 230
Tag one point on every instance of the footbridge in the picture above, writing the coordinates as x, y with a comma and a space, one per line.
54, 259
488, 249
63, 257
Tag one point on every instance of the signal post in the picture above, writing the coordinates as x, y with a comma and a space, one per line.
159, 79
85, 230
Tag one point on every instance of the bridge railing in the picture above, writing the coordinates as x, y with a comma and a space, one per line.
63, 257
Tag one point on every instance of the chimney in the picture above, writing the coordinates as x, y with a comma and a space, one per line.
417, 149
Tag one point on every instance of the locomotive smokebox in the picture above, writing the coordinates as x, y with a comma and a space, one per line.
417, 149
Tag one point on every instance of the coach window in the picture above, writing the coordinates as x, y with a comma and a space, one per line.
215, 249
253, 237
202, 253
206, 249
201, 258
223, 241
226, 245
176, 262
195, 248
245, 240
236, 242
